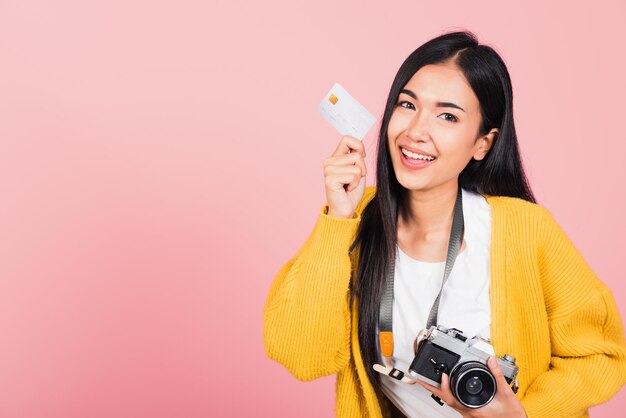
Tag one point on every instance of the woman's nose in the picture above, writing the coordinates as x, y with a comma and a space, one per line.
418, 126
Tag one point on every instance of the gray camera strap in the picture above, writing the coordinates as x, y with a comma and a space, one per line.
385, 333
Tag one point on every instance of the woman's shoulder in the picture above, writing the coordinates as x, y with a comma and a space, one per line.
513, 203
508, 202
524, 209
516, 209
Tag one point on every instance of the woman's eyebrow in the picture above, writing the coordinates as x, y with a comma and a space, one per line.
439, 104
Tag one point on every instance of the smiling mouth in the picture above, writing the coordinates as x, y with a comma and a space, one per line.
415, 156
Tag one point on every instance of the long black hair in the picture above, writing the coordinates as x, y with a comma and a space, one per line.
499, 173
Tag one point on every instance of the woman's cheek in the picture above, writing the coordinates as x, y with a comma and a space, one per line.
394, 128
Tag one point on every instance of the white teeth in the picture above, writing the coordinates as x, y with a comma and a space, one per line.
416, 156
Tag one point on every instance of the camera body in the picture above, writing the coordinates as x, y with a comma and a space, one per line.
441, 350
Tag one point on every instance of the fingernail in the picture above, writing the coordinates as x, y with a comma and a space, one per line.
492, 361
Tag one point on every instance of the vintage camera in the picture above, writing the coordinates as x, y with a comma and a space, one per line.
441, 350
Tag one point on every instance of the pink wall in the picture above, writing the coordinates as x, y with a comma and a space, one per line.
159, 161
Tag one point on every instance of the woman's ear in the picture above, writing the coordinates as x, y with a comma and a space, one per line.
484, 144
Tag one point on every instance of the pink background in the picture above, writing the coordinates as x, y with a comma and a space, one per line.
160, 161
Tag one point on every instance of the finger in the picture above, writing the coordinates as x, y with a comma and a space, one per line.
501, 383
343, 169
339, 177
348, 159
347, 144
358, 172
354, 183
338, 181
448, 397
432, 389
441, 393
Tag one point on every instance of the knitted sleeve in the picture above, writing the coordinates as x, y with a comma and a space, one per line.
307, 314
588, 364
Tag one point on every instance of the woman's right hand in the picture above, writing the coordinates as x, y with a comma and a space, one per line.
344, 177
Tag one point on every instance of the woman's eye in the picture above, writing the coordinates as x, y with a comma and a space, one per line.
406, 104
451, 117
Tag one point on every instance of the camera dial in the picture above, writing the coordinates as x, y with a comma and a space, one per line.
439, 367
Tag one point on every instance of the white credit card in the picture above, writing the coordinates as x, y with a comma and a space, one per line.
343, 112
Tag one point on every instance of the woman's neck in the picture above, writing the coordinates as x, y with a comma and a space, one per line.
429, 211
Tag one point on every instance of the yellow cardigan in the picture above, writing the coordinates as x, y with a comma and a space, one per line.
548, 309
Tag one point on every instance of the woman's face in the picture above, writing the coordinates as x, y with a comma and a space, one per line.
436, 115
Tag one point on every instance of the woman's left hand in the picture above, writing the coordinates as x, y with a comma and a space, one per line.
504, 404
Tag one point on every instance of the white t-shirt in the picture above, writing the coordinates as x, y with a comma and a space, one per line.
464, 304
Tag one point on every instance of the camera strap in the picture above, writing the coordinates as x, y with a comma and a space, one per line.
385, 333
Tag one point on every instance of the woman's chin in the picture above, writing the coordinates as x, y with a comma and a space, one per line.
413, 184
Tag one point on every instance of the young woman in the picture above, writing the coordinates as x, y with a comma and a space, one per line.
448, 161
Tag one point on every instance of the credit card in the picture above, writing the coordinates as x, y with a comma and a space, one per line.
343, 112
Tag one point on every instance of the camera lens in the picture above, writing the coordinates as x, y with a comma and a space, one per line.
472, 384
